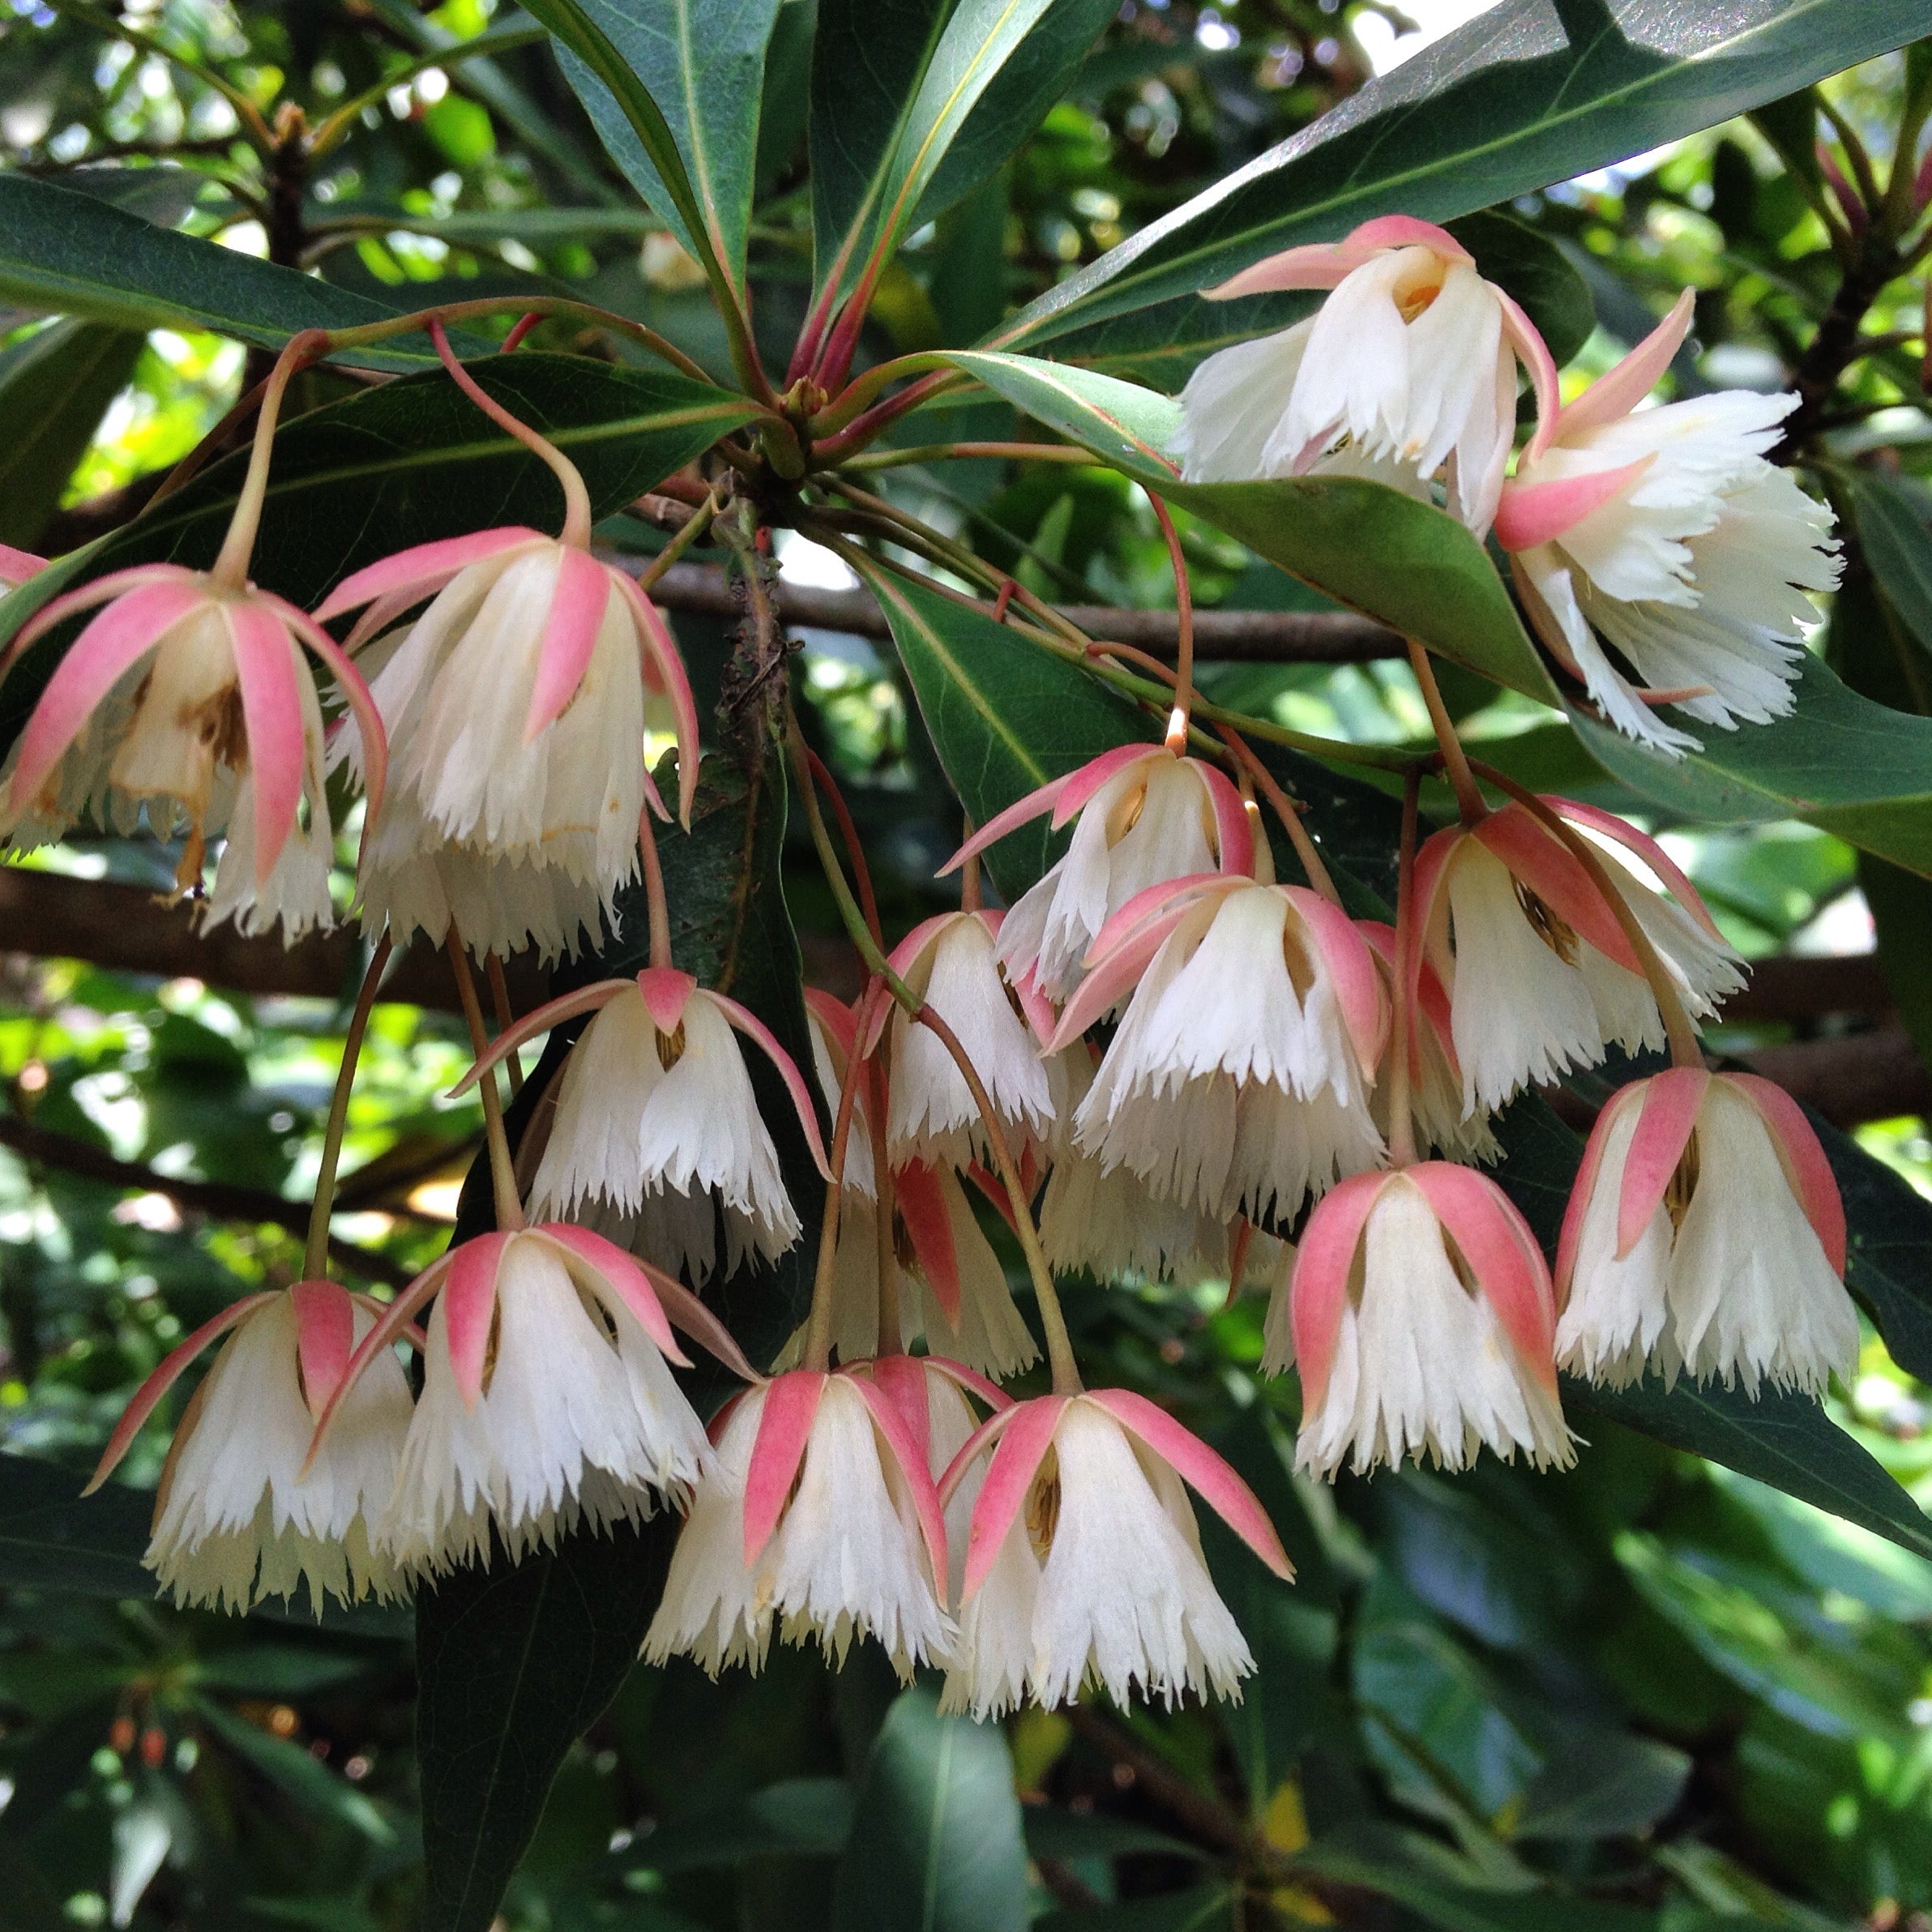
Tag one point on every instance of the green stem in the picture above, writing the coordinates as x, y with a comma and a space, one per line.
503, 1169
1402, 1126
947, 452
315, 1261
695, 526
231, 567
1469, 794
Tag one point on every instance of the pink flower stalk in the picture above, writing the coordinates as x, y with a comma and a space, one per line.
1424, 1322
242, 1513
1541, 977
949, 964
1144, 815
818, 1513
1236, 1081
1705, 1234
656, 1119
191, 696
1435, 1076
16, 567
1406, 370
547, 1399
1084, 1564
1664, 535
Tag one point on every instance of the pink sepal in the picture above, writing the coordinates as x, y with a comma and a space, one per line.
903, 1380
905, 955
1221, 1487
1351, 965
666, 992
1314, 265
1529, 514
911, 1456
469, 1302
975, 1446
167, 1372
553, 1013
1802, 1158
578, 603
661, 654
969, 1379
929, 1227
1234, 834
690, 1315
1670, 1101
1646, 848
1614, 395
1318, 1286
1496, 1243
783, 1429
838, 1019
629, 1279
95, 663
748, 1024
1035, 1007
16, 567
1533, 351
1405, 231
325, 1337
1111, 975
271, 713
1021, 1435
1021, 812
356, 694
423, 568
1556, 875
1077, 790
102, 590
1588, 1173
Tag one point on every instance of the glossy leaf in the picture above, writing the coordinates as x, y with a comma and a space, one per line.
1898, 546
935, 1843
54, 388
1528, 93
702, 62
516, 1661
68, 253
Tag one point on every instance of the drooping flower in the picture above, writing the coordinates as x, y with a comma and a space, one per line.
1705, 1234
1541, 977
656, 1119
1424, 1322
819, 1512
547, 1399
1145, 815
516, 704
1663, 535
192, 699
948, 964
1408, 369
1084, 1566
239, 1517
1435, 1079
1237, 1079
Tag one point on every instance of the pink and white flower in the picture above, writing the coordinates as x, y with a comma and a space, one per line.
547, 1399
1423, 1324
819, 1514
517, 704
1145, 815
193, 700
1236, 1081
1541, 977
656, 1118
954, 1291
1705, 1234
242, 1514
1664, 535
1408, 369
1084, 1563
1435, 1078
948, 964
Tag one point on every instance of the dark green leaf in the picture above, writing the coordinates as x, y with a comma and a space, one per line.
1200, 1908
306, 1779
1052, 1833
1892, 528
54, 388
797, 1816
702, 62
1888, 1225
1901, 910
935, 1843
1536, 272
516, 1661
66, 253
1526, 94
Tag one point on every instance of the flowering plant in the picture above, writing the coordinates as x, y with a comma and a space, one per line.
790, 1328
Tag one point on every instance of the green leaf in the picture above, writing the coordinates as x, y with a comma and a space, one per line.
1536, 272
797, 1817
1407, 564
1005, 714
306, 1779
1836, 760
1901, 910
1526, 94
936, 1843
516, 1661
414, 460
1200, 1908
1891, 530
1888, 1227
54, 388
67, 254
703, 61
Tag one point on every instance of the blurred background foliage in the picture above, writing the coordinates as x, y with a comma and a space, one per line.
1691, 1696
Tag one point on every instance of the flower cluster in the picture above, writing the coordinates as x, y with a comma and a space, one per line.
1162, 1059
